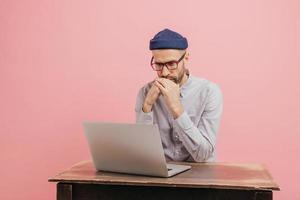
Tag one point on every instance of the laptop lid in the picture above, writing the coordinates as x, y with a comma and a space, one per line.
126, 148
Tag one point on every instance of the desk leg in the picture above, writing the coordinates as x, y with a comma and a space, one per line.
259, 195
64, 191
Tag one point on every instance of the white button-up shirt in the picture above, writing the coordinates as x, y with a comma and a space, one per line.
192, 136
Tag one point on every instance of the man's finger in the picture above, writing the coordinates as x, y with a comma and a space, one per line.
160, 87
162, 81
167, 82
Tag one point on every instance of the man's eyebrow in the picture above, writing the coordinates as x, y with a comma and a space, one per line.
166, 61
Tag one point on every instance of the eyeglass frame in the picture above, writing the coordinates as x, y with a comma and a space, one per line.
165, 64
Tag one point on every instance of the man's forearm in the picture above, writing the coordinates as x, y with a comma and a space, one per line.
176, 111
198, 141
147, 107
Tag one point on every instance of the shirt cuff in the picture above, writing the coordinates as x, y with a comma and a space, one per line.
184, 121
145, 118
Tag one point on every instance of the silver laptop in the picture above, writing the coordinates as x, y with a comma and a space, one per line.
129, 148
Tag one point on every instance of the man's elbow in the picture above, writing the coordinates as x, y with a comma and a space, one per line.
204, 154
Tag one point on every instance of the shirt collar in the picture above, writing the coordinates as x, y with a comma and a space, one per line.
183, 88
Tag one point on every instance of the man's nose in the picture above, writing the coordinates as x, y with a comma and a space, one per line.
165, 72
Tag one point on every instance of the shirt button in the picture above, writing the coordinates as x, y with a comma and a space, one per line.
176, 137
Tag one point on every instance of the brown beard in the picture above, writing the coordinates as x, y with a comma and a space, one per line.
180, 77
171, 78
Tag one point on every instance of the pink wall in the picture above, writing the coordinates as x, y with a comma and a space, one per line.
62, 62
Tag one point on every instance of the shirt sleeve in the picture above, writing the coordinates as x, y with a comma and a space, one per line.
140, 116
199, 140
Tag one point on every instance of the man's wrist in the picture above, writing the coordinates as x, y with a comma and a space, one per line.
147, 107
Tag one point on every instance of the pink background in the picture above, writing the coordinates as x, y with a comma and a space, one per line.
62, 62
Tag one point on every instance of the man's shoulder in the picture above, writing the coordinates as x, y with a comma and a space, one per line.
144, 89
147, 85
204, 84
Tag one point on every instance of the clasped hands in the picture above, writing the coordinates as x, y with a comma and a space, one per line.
170, 92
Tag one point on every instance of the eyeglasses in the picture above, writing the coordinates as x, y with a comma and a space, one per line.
171, 65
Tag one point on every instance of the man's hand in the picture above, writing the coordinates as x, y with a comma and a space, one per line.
151, 97
171, 93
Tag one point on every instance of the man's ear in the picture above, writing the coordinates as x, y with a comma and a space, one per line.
187, 56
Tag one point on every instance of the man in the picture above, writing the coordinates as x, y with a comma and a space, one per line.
186, 109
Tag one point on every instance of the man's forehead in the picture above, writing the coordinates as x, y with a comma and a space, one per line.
166, 54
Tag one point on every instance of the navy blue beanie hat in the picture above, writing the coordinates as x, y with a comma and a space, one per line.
168, 39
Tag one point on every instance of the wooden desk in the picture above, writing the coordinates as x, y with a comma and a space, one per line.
212, 181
